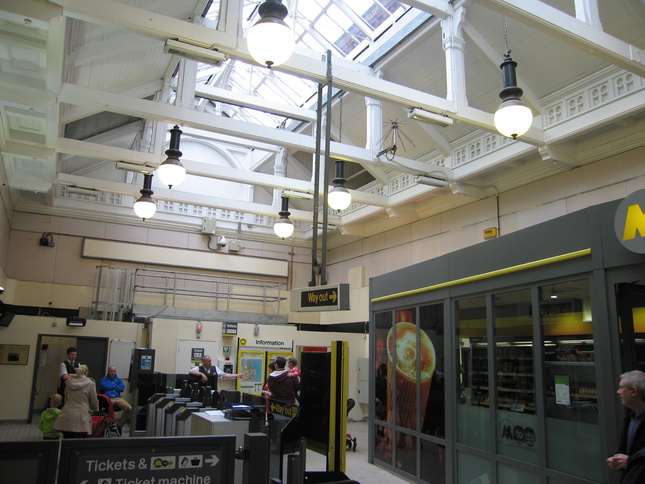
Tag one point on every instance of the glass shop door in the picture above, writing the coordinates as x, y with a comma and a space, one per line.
630, 304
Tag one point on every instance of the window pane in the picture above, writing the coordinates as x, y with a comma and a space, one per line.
433, 462
515, 380
473, 416
402, 351
570, 380
511, 474
383, 443
432, 418
472, 469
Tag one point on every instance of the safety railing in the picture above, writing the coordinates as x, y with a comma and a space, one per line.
119, 290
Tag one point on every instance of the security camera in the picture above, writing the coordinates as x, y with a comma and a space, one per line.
222, 241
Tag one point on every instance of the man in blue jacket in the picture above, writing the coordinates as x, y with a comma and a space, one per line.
112, 386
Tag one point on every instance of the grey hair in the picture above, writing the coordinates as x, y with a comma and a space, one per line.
635, 379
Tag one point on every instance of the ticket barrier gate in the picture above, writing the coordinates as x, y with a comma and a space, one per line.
183, 420
150, 412
158, 428
170, 414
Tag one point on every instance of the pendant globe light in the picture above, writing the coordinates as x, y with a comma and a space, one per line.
270, 40
513, 118
171, 172
145, 207
339, 197
283, 228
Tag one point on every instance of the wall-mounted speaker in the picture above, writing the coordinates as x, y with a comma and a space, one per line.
76, 321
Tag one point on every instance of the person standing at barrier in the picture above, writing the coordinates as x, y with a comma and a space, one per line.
67, 369
112, 386
207, 375
283, 386
75, 420
630, 457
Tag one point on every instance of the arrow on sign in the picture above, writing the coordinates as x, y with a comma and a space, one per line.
333, 296
212, 460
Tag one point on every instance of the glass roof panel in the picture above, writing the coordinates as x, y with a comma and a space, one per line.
319, 25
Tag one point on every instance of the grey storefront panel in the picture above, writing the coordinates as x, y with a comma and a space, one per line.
529, 258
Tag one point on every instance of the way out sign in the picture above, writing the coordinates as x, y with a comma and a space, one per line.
334, 297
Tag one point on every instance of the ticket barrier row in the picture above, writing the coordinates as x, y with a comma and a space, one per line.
168, 415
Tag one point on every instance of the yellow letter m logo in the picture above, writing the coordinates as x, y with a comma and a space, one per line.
634, 222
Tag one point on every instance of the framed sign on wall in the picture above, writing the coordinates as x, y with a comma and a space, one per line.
14, 354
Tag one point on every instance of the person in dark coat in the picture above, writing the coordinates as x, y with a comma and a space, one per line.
67, 370
207, 375
284, 387
630, 458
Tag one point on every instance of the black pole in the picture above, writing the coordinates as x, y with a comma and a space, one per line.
323, 262
314, 241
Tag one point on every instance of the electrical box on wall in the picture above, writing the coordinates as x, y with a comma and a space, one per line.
208, 226
233, 246
226, 366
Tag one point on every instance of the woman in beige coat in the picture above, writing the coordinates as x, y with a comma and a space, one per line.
75, 420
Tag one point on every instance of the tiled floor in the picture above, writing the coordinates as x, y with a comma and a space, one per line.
358, 468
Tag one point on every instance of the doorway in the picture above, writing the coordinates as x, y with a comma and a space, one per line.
630, 306
52, 350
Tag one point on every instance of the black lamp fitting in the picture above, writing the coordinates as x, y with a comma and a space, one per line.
509, 80
173, 151
273, 8
339, 181
284, 212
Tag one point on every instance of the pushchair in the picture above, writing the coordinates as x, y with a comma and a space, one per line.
103, 421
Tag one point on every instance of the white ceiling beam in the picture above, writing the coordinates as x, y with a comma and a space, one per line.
587, 12
254, 102
563, 155
17, 95
28, 151
100, 152
402, 213
438, 8
566, 28
230, 140
74, 113
347, 76
178, 196
73, 94
104, 49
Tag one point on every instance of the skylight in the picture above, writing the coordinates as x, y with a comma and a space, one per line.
341, 26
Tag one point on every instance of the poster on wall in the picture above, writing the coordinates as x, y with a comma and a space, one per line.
251, 365
14, 354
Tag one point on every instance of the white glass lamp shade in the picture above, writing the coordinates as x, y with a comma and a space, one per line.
513, 118
145, 207
339, 198
283, 228
270, 41
171, 172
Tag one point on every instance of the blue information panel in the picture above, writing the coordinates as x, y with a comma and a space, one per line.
160, 460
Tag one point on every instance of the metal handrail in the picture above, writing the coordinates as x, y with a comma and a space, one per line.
117, 288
